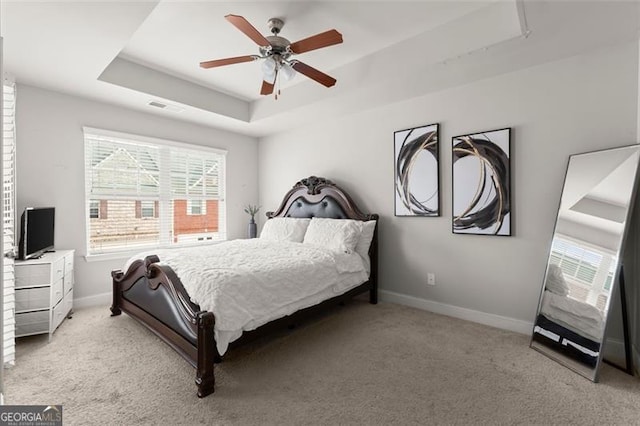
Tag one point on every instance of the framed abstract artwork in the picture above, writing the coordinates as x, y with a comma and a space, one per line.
417, 171
481, 170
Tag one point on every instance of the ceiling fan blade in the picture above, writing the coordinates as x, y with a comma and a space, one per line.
228, 61
327, 38
249, 30
268, 83
313, 73
267, 88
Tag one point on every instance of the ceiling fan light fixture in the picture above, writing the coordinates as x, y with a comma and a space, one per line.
287, 72
269, 66
271, 78
277, 51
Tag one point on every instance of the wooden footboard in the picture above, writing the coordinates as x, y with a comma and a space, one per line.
152, 293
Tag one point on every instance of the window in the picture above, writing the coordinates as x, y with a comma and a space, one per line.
151, 193
94, 209
575, 261
609, 280
588, 270
196, 207
147, 209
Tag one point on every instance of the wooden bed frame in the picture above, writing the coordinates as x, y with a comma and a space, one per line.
152, 293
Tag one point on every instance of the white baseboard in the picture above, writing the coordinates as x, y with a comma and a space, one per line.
95, 300
505, 323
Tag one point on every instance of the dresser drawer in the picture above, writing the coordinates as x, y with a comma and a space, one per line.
28, 299
68, 283
32, 275
57, 291
68, 264
32, 323
58, 314
68, 302
58, 269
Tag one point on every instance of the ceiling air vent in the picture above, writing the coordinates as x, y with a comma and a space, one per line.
166, 107
157, 104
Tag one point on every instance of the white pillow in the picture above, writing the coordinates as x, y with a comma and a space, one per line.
284, 229
364, 242
334, 234
555, 281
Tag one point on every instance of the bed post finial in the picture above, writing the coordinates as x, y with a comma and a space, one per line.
313, 184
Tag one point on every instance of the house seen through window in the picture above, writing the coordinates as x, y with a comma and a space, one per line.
144, 192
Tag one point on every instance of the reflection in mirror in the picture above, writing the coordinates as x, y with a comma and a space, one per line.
582, 269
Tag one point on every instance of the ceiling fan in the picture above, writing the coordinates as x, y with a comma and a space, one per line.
277, 51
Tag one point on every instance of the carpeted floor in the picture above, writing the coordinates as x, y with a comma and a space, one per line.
359, 364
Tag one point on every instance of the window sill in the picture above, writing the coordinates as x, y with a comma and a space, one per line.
125, 255
109, 256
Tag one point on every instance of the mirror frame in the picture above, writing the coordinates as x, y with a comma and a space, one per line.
550, 353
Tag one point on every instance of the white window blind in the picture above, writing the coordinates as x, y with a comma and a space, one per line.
8, 179
139, 191
589, 271
576, 262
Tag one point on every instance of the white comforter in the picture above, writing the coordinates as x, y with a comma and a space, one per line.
577, 316
247, 283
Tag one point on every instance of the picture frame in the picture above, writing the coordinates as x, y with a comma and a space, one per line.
417, 171
481, 183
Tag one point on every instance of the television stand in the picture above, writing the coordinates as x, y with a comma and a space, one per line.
43, 292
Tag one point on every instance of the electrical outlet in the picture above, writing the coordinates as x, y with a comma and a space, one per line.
431, 279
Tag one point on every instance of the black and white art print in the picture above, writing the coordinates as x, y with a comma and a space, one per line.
482, 183
416, 164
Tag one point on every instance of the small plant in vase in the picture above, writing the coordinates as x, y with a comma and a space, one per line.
251, 210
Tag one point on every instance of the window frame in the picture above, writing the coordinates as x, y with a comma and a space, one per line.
166, 193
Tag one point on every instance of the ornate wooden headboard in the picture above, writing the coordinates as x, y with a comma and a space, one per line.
319, 197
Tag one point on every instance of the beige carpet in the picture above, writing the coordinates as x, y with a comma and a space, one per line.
360, 364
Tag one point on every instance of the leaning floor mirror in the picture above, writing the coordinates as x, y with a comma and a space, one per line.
584, 268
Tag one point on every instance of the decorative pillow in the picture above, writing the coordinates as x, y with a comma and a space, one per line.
284, 229
364, 242
335, 234
555, 281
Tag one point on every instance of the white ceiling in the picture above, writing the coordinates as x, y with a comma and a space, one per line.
598, 188
176, 34
129, 53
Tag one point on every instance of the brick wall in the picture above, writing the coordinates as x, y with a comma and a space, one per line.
184, 223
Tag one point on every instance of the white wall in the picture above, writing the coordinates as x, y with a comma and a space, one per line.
50, 167
569, 106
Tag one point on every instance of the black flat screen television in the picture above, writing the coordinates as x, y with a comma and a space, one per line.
36, 232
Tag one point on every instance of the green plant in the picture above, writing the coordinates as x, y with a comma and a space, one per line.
251, 210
